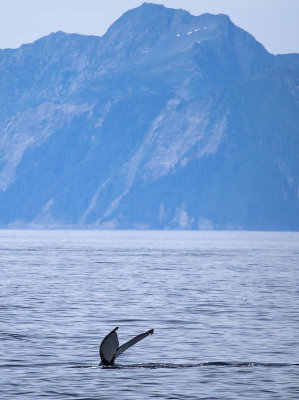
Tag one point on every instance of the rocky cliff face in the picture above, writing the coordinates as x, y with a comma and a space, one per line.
167, 121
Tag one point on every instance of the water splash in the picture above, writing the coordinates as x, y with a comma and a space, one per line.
189, 365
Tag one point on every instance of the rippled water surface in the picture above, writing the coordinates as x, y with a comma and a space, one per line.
224, 306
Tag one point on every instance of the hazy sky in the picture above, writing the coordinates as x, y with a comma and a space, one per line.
273, 22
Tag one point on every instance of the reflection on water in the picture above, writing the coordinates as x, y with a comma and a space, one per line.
224, 306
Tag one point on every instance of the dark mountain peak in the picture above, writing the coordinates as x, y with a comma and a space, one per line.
143, 18
156, 16
158, 9
150, 6
151, 32
154, 30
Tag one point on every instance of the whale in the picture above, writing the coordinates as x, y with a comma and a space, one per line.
110, 349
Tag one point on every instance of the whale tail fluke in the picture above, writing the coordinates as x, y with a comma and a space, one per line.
110, 349
133, 341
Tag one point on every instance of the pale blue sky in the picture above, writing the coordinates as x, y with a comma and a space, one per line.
273, 22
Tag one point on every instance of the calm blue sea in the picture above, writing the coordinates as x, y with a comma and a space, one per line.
224, 306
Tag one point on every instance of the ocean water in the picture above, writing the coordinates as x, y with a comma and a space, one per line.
224, 306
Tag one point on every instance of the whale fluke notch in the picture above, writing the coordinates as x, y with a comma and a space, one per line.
109, 349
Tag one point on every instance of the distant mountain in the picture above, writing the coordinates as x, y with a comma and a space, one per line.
168, 121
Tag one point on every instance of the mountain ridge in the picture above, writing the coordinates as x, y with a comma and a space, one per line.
131, 129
